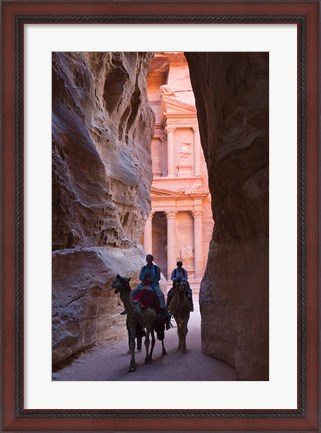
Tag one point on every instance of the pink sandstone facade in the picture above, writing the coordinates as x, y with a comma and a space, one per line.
180, 224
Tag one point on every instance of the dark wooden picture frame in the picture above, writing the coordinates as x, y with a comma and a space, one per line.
15, 15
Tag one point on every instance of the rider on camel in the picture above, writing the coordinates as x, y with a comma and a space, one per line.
180, 274
150, 276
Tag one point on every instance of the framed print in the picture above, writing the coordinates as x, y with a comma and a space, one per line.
69, 69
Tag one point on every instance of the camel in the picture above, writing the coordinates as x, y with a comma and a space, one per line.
180, 307
146, 317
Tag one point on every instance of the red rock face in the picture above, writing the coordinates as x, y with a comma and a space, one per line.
231, 92
102, 127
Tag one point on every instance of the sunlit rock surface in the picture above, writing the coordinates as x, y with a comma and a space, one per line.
102, 127
231, 92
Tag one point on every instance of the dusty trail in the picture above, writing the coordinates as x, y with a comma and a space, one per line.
110, 361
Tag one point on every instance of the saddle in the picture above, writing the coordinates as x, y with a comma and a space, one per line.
147, 298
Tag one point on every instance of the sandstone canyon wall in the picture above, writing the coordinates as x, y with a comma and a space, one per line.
102, 127
231, 92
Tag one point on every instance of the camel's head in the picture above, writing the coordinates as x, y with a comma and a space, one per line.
181, 285
120, 284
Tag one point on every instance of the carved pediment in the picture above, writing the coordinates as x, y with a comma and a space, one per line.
165, 193
174, 106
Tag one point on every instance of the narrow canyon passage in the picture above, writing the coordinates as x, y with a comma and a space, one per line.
109, 361
106, 150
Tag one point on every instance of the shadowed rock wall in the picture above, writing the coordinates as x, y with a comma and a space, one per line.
231, 92
102, 127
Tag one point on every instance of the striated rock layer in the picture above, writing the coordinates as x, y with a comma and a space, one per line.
231, 92
102, 127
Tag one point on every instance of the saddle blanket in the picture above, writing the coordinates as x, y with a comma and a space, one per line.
147, 299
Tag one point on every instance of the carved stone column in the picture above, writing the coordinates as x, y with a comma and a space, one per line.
148, 238
197, 152
164, 154
171, 244
170, 151
198, 242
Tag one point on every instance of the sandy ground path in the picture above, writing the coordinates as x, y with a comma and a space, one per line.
110, 361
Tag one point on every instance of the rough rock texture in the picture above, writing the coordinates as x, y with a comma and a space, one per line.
231, 91
85, 310
101, 175
102, 129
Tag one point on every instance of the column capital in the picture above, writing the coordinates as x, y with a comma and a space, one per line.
197, 213
171, 214
195, 129
150, 216
169, 129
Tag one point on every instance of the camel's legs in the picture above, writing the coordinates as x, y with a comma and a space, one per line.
181, 336
153, 345
147, 342
149, 332
163, 349
184, 334
179, 332
132, 336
